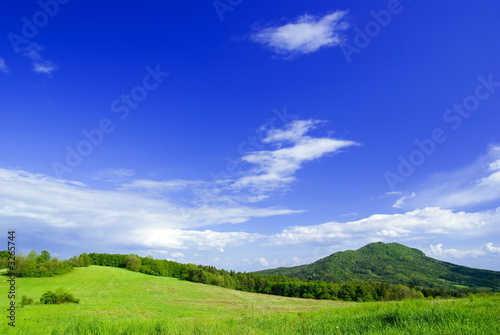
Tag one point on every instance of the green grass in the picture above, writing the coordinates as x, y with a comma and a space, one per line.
117, 301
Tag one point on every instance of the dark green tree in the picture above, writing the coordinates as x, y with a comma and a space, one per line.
44, 257
132, 263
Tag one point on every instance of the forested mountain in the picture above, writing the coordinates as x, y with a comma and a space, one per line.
391, 263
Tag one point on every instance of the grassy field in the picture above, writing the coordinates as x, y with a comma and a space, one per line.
117, 301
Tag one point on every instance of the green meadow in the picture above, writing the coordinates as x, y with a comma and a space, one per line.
118, 301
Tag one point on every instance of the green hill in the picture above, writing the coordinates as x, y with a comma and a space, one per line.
117, 301
119, 296
395, 264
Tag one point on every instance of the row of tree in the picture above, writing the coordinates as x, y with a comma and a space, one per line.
34, 265
269, 284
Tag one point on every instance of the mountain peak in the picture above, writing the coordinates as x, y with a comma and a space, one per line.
390, 250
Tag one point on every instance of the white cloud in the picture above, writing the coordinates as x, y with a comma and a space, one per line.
438, 251
142, 214
478, 183
46, 67
3, 67
262, 261
154, 187
490, 248
303, 35
296, 260
262, 171
189, 239
177, 255
38, 204
39, 64
275, 169
424, 223
402, 201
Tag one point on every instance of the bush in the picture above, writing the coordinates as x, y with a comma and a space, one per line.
59, 297
26, 301
48, 298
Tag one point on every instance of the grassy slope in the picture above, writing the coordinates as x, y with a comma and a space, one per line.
120, 295
392, 263
117, 301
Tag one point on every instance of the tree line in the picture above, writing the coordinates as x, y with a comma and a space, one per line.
41, 265
271, 284
34, 265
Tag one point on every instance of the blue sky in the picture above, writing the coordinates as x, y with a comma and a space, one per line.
250, 136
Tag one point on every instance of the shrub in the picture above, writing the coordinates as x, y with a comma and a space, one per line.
26, 301
59, 297
48, 298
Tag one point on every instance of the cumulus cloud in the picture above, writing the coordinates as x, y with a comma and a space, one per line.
143, 213
438, 251
74, 213
190, 239
262, 261
417, 224
303, 35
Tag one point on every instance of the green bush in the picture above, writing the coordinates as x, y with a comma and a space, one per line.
26, 301
58, 297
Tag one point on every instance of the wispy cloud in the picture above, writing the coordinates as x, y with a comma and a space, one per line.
144, 214
41, 205
159, 187
263, 171
303, 35
40, 65
275, 169
113, 175
476, 184
401, 201
3, 67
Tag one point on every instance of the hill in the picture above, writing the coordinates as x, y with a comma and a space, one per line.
119, 296
118, 301
392, 263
